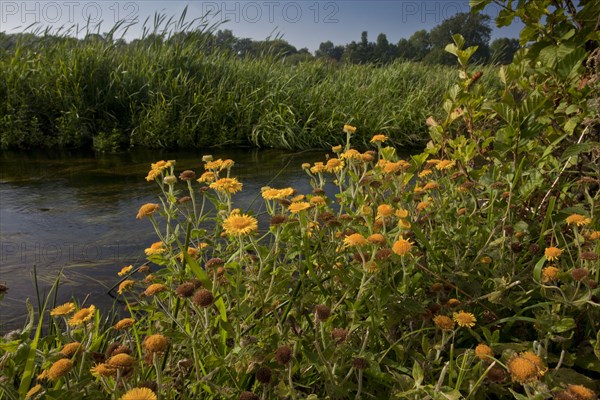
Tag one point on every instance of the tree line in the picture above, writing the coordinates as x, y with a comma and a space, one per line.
423, 46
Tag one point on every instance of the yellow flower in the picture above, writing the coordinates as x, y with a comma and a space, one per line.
157, 168
351, 154
372, 267
552, 253
579, 220
155, 288
298, 206
356, 239
376, 238
121, 361
525, 367
379, 139
65, 309
227, 185
579, 392
318, 167
464, 319
155, 248
156, 343
299, 197
431, 185
70, 349
401, 213
443, 322
213, 165
483, 351
550, 274
227, 164
60, 369
139, 394
485, 260
124, 324
276, 194
125, 270
349, 129
240, 224
445, 164
206, 177
317, 200
402, 246
33, 391
404, 224
82, 316
385, 210
334, 165
424, 173
125, 285
103, 370
146, 210
594, 235
423, 205
336, 149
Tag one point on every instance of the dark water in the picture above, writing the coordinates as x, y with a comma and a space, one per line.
75, 213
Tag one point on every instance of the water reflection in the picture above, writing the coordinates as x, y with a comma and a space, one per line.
75, 212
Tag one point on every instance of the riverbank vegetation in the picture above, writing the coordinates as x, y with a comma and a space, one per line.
180, 91
470, 270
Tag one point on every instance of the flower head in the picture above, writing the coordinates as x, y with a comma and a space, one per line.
125, 270
147, 209
124, 324
526, 367
227, 185
578, 219
155, 288
445, 164
464, 319
483, 351
240, 224
402, 246
103, 369
155, 248
298, 206
385, 210
334, 165
156, 343
82, 316
552, 253
550, 274
349, 129
65, 309
125, 285
139, 394
121, 361
443, 322
356, 239
379, 138
70, 349
59, 369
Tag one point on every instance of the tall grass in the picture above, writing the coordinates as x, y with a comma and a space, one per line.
175, 89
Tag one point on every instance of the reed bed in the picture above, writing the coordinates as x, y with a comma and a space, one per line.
177, 90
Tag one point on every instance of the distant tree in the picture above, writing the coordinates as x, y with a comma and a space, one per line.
329, 50
502, 50
419, 44
224, 39
384, 52
475, 28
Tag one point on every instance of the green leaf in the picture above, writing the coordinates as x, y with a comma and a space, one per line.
417, 374
579, 148
478, 5
197, 270
565, 325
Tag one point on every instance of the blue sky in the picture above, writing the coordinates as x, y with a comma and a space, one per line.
303, 23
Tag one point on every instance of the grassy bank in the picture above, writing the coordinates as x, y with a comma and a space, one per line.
177, 92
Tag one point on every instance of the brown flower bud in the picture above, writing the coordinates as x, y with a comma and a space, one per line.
204, 298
